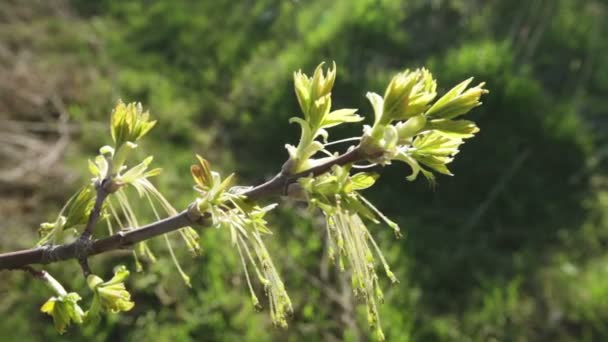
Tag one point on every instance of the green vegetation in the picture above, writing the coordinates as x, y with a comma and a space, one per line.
511, 248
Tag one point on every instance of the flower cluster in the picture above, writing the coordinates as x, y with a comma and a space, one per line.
72, 216
246, 225
409, 129
109, 296
129, 123
349, 241
110, 169
314, 97
63, 307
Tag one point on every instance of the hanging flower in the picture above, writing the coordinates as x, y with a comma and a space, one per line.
110, 296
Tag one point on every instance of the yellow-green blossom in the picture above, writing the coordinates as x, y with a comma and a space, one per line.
110, 296
129, 123
64, 309
350, 244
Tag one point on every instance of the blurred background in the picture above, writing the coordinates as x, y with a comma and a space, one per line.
512, 248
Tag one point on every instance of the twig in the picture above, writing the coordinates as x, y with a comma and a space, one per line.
45, 277
123, 239
84, 241
280, 182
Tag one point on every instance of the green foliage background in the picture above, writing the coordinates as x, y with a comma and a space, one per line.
512, 248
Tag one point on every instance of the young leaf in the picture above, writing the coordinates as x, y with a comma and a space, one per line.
462, 129
457, 101
377, 104
363, 180
64, 309
340, 116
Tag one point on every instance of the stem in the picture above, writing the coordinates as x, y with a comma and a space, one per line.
43, 275
342, 141
123, 239
84, 241
53, 284
102, 193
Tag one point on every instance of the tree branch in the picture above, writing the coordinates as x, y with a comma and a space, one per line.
87, 234
124, 239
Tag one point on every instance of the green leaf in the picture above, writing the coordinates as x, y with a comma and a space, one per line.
201, 173
326, 185
363, 180
106, 150
79, 207
412, 163
408, 94
64, 309
110, 296
462, 129
129, 123
99, 167
340, 116
136, 171
318, 111
377, 104
457, 101
226, 183
410, 127
306, 135
436, 163
302, 88
436, 144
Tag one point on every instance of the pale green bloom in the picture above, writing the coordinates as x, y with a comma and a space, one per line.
429, 137
314, 97
350, 244
457, 101
110, 296
246, 225
314, 92
64, 309
407, 129
74, 214
408, 94
129, 123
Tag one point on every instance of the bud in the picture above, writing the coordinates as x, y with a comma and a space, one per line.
408, 94
51, 231
64, 309
302, 87
129, 123
410, 127
462, 129
201, 173
422, 94
111, 295
457, 101
136, 172
380, 334
319, 110
397, 95
310, 90
322, 83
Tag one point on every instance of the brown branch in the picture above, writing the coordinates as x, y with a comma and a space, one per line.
124, 239
102, 193
278, 184
84, 243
